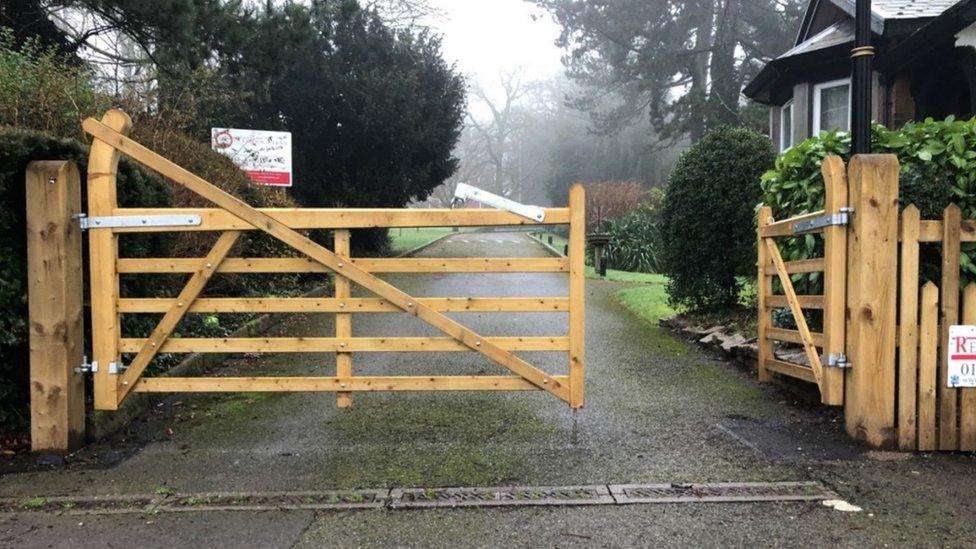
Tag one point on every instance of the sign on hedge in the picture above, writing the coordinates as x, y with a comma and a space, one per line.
264, 155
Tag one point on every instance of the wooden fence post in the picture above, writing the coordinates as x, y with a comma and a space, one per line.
103, 246
54, 290
869, 406
577, 282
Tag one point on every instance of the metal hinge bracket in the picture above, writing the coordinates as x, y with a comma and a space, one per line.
123, 221
86, 367
464, 192
838, 360
116, 368
842, 217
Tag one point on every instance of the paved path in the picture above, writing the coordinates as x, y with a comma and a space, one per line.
657, 411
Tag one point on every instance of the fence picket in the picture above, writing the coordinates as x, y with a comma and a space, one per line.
908, 329
949, 304
928, 347
967, 406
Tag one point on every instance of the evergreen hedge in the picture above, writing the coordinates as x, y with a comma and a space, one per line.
938, 167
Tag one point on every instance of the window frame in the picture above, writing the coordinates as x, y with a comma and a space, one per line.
817, 89
786, 139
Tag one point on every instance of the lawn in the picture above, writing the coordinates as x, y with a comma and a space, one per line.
648, 299
402, 240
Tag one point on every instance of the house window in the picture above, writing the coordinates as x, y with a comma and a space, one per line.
786, 126
832, 106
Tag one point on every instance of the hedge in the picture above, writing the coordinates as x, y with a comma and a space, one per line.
938, 166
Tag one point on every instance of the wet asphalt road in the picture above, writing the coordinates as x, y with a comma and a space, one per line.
657, 411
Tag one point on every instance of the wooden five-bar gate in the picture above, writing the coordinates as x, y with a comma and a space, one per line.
114, 378
881, 351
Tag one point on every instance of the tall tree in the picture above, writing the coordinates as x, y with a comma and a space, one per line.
374, 112
28, 20
680, 63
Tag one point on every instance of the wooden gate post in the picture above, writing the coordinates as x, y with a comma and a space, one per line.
54, 290
869, 404
577, 294
103, 248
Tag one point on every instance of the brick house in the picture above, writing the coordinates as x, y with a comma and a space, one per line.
925, 65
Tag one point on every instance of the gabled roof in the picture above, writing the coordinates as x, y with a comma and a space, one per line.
881, 11
816, 44
838, 33
900, 9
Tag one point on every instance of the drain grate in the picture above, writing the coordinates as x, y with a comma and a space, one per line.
493, 497
719, 492
408, 498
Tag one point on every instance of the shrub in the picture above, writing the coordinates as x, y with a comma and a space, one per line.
707, 217
43, 90
938, 166
634, 240
611, 199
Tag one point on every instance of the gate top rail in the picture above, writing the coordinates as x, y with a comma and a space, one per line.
217, 219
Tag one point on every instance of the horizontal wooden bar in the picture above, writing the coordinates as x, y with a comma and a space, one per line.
358, 383
806, 301
346, 305
378, 265
793, 336
347, 345
790, 369
931, 231
785, 227
814, 265
217, 219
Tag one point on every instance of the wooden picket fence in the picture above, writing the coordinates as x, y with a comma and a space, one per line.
932, 415
882, 353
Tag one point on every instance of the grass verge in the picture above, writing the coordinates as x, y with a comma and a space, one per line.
402, 240
647, 300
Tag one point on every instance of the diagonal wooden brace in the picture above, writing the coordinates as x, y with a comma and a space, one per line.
339, 265
801, 321
188, 294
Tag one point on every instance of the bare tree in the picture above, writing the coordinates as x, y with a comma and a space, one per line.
405, 13
497, 131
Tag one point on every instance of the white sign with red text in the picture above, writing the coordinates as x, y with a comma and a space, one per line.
264, 155
962, 356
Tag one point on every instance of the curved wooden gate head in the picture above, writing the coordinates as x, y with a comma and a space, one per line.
113, 380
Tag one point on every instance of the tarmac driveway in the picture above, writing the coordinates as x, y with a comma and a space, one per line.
658, 411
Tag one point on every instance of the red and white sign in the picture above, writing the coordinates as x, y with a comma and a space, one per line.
962, 356
264, 155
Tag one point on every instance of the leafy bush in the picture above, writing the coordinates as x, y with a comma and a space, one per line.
938, 166
707, 217
634, 241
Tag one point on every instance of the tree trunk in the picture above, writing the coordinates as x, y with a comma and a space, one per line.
697, 93
723, 100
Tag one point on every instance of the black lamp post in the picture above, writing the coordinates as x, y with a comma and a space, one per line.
861, 83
